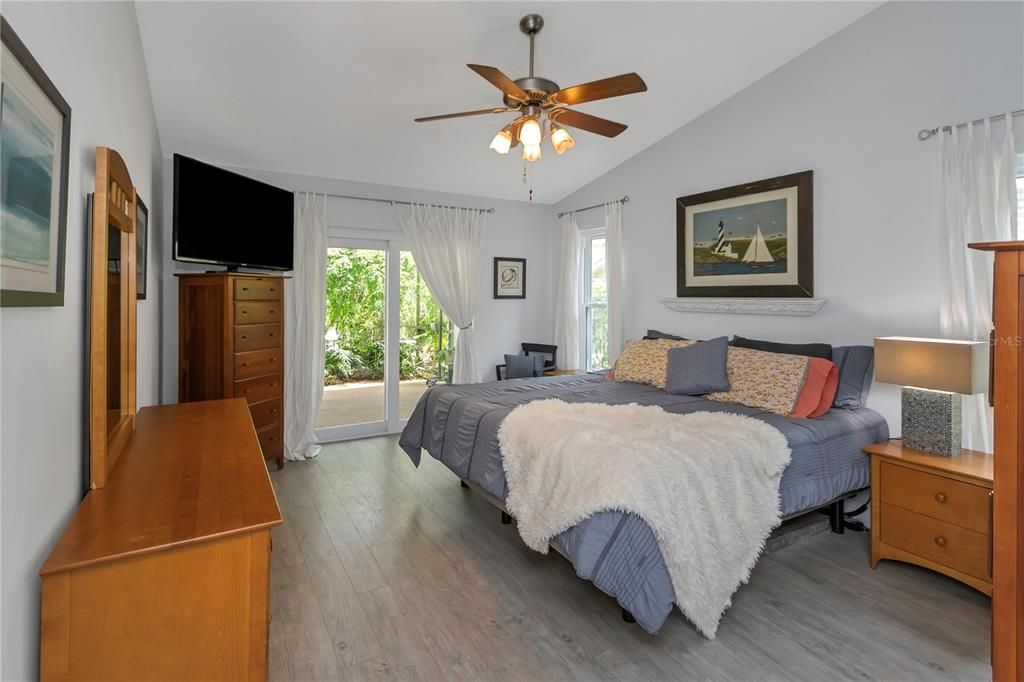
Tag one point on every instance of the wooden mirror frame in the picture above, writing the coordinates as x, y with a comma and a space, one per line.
114, 205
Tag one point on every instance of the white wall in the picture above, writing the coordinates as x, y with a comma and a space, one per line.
848, 109
92, 53
515, 229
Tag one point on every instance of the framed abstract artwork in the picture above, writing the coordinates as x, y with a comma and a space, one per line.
141, 244
35, 134
751, 240
509, 278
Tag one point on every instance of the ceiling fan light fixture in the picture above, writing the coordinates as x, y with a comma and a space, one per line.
531, 152
530, 133
561, 140
502, 142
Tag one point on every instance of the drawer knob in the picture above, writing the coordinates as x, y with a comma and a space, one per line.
940, 541
940, 497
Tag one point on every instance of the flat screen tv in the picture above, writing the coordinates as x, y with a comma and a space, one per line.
224, 218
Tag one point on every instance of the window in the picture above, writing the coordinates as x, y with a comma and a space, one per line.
594, 315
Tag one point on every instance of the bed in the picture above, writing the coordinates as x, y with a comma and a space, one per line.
458, 425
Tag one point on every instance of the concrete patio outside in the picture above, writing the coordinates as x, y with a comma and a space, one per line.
360, 402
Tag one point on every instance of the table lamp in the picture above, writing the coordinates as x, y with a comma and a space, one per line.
933, 373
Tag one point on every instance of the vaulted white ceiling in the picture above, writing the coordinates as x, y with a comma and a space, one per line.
331, 89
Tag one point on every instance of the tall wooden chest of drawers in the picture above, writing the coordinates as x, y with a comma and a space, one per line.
231, 345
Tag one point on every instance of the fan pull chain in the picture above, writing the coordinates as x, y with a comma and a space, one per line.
526, 179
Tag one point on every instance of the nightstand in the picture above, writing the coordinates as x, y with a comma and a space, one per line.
933, 511
563, 372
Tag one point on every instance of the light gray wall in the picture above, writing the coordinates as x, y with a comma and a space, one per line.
515, 229
92, 53
848, 109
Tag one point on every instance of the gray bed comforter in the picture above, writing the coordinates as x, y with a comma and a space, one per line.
458, 425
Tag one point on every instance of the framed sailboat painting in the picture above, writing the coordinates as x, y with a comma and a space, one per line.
750, 240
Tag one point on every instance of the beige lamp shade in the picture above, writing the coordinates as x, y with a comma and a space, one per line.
937, 364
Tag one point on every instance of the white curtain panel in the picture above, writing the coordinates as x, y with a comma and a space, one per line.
448, 246
978, 205
614, 273
304, 331
567, 301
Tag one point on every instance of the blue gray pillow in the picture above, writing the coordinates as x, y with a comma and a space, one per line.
522, 366
698, 369
856, 365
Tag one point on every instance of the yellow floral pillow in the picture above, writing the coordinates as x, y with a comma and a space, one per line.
646, 362
767, 381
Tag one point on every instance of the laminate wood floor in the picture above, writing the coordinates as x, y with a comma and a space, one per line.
385, 571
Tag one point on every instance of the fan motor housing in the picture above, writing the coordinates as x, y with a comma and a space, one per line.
536, 88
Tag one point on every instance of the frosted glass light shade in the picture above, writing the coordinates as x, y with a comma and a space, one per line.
531, 152
561, 139
529, 133
502, 142
937, 364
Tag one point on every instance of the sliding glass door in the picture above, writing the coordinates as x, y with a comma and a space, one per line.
386, 340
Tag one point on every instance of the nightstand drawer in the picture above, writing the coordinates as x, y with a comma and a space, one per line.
941, 498
941, 542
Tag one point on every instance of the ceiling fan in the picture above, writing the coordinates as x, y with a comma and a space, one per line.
536, 98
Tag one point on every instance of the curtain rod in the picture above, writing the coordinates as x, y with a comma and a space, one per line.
406, 203
623, 200
925, 133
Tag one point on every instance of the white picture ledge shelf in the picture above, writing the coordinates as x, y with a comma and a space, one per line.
802, 307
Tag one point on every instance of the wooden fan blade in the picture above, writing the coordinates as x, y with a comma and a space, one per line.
594, 124
500, 81
616, 86
497, 110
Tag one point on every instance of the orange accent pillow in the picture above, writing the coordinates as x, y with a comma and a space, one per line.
828, 394
809, 400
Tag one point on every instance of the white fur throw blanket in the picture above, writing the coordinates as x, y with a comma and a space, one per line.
707, 484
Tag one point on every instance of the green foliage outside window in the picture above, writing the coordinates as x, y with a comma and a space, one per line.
356, 306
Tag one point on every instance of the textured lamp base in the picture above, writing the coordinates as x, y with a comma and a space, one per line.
932, 421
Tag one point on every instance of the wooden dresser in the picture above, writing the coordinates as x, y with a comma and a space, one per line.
1008, 514
163, 574
933, 511
231, 345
